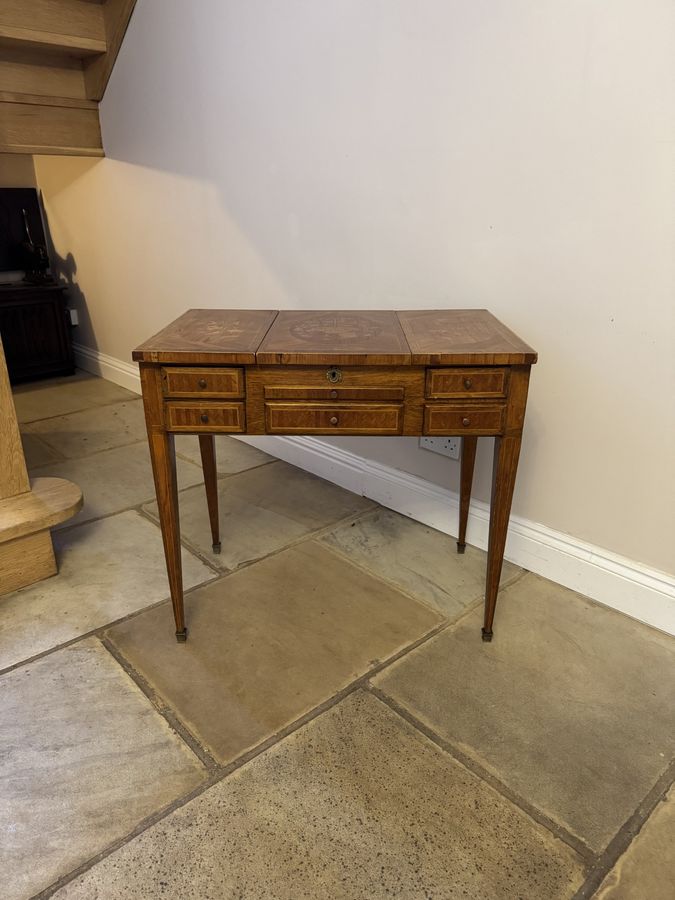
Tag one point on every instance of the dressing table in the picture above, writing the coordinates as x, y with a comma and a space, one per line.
261, 372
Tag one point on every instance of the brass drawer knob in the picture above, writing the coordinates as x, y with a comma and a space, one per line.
468, 383
202, 382
333, 420
333, 395
466, 421
204, 418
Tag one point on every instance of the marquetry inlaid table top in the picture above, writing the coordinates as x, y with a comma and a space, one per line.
324, 337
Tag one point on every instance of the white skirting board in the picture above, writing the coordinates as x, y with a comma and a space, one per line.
626, 585
116, 370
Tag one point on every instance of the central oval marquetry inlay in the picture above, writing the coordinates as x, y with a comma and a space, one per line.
329, 328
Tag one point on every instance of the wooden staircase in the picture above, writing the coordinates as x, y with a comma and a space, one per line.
55, 60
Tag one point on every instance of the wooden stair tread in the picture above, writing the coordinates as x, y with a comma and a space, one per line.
38, 128
50, 501
44, 100
73, 45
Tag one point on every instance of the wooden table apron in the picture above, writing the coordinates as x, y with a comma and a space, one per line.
440, 372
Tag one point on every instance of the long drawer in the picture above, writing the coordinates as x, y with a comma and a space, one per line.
216, 417
333, 418
182, 381
448, 419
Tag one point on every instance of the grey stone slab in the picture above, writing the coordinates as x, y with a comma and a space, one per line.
571, 705
36, 452
356, 805
60, 396
263, 510
269, 643
231, 455
646, 871
107, 569
418, 559
84, 759
116, 479
100, 428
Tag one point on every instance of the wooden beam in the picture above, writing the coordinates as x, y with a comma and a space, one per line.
28, 125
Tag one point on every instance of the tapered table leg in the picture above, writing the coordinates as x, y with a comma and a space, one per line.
469, 443
163, 456
507, 451
207, 448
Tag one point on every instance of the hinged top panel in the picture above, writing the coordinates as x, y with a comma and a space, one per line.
462, 337
209, 336
347, 337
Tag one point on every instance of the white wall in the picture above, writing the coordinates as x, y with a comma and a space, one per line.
511, 154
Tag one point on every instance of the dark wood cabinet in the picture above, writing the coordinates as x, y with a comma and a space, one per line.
35, 331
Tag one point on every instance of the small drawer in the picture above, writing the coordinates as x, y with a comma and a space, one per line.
334, 418
185, 382
442, 419
463, 382
205, 417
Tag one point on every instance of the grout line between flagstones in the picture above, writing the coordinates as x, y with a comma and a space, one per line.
451, 618
138, 507
314, 535
162, 707
580, 847
74, 459
625, 836
98, 631
74, 412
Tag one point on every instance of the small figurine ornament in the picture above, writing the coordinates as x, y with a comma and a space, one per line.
36, 261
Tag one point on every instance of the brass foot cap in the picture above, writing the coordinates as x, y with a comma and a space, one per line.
181, 636
216, 547
461, 547
486, 635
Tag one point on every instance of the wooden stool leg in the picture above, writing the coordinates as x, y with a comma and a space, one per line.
207, 448
163, 456
507, 451
466, 480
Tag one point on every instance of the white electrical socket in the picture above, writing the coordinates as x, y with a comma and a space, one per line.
447, 446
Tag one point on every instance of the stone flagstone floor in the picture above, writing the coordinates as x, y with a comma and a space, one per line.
334, 727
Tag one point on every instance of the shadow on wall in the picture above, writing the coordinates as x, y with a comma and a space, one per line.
64, 270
